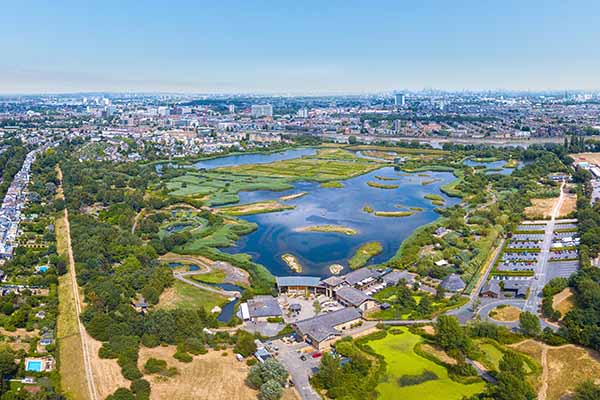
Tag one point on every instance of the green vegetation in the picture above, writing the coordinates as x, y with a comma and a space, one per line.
214, 276
364, 254
382, 185
403, 363
326, 165
329, 228
268, 378
367, 208
255, 208
332, 185
393, 213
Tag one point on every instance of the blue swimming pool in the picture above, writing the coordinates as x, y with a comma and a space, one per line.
43, 268
34, 365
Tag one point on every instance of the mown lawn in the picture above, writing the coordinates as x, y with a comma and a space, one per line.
398, 351
185, 296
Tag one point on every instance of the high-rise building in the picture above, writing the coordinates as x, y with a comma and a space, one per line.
262, 110
231, 108
302, 113
399, 99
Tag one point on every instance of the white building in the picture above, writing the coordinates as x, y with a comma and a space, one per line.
262, 110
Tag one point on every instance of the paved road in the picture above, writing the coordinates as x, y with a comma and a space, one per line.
300, 371
539, 279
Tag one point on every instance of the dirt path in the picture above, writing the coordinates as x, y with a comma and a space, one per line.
544, 386
91, 384
137, 218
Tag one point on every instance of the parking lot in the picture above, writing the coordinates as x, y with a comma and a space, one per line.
300, 369
563, 269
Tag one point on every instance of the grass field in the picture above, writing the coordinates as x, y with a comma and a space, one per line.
216, 276
182, 295
70, 353
401, 360
364, 254
326, 165
505, 313
208, 376
543, 207
332, 185
564, 301
566, 366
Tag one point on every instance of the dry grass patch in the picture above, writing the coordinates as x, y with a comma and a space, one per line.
568, 205
564, 301
438, 353
541, 208
593, 158
505, 313
107, 373
208, 376
566, 366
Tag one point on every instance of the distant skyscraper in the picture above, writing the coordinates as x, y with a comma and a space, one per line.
231, 108
399, 100
262, 110
302, 113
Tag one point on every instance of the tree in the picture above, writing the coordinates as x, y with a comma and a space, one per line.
450, 335
270, 370
245, 343
511, 383
587, 391
529, 324
270, 390
352, 139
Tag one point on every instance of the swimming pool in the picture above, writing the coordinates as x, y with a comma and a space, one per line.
34, 365
43, 268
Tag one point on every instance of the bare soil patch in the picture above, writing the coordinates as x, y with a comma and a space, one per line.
541, 207
438, 353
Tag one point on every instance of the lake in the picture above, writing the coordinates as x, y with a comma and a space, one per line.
316, 251
493, 167
256, 158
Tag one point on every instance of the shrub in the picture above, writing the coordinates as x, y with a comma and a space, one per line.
183, 356
121, 394
141, 388
154, 366
150, 340
410, 380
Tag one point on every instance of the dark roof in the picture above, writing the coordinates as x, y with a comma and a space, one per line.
352, 296
395, 276
264, 306
323, 326
359, 275
309, 281
333, 281
453, 283
492, 286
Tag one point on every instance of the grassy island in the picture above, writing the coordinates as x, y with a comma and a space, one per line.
393, 213
292, 262
332, 185
255, 208
292, 196
382, 185
364, 254
329, 228
367, 208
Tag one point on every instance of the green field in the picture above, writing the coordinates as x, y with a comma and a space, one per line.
401, 360
182, 295
364, 254
326, 165
215, 276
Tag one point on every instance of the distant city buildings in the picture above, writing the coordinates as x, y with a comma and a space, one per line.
399, 100
261, 110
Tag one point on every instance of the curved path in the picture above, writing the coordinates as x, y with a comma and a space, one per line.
181, 276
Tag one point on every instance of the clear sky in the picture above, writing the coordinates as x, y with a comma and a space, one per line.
302, 46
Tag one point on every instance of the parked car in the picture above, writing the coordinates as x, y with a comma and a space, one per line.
303, 357
316, 354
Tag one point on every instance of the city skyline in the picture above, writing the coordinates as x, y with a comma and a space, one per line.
306, 48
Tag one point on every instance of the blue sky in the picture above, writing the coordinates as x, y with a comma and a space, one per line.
298, 47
